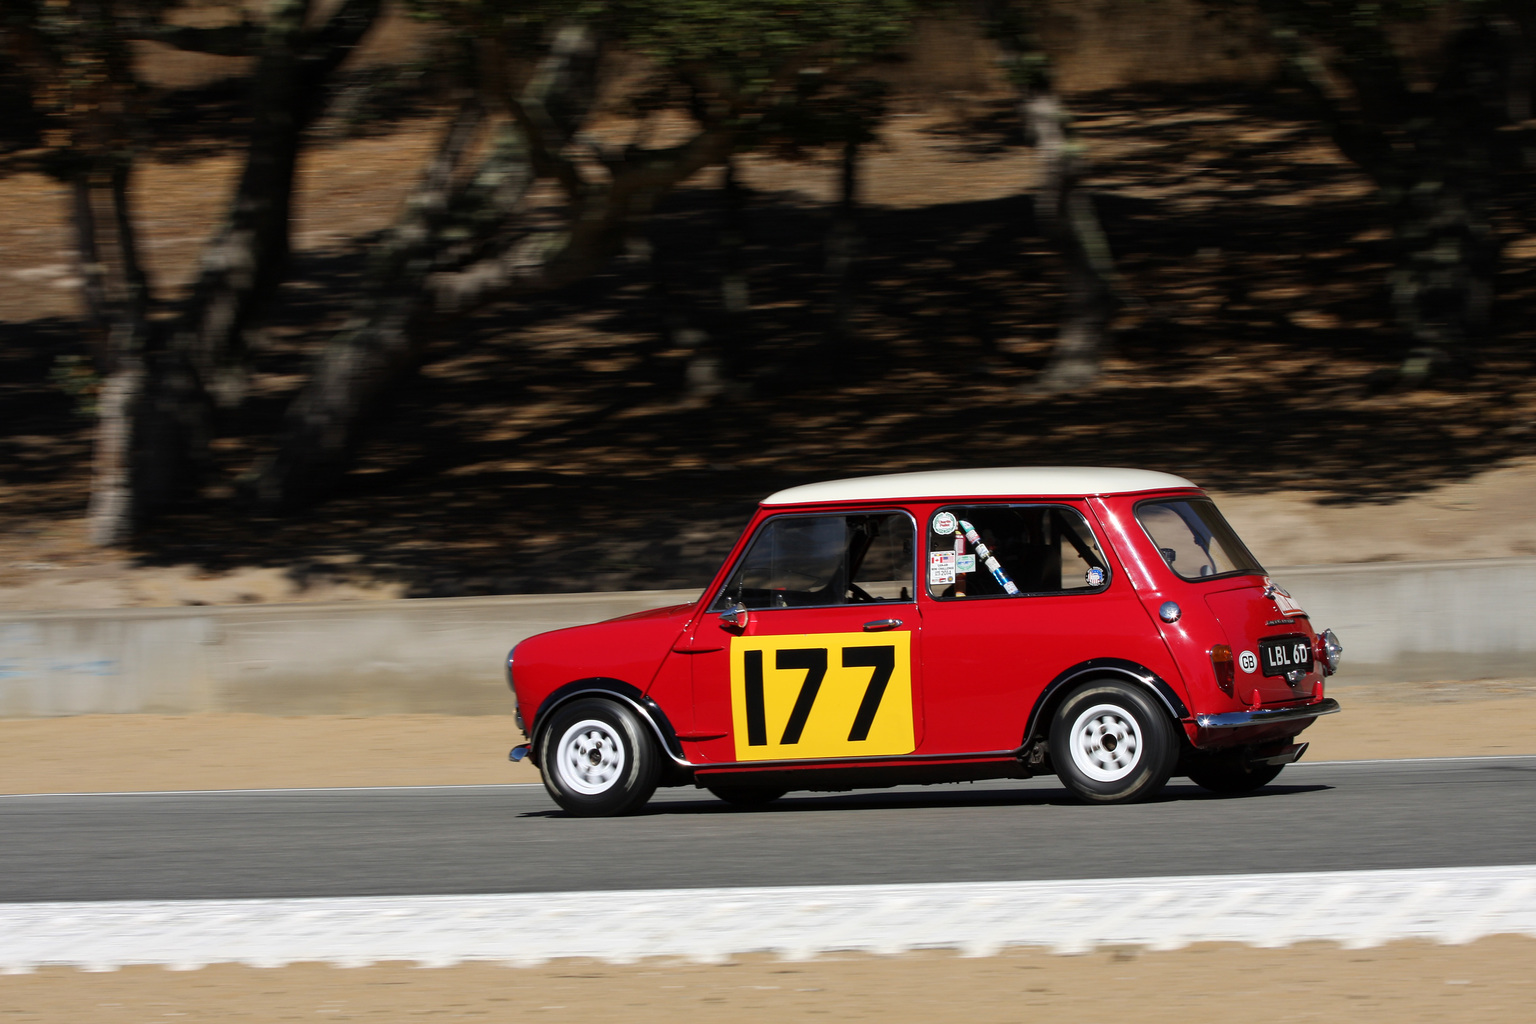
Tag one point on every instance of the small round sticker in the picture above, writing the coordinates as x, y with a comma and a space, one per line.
1248, 661
1094, 576
944, 524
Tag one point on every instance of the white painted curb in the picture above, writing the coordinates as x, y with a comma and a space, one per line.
1353, 908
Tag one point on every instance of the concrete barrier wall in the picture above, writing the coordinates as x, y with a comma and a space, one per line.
1442, 620
445, 656
1416, 621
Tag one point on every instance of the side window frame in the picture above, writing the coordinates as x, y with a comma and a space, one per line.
1084, 516
715, 607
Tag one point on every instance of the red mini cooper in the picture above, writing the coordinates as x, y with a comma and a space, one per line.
1106, 625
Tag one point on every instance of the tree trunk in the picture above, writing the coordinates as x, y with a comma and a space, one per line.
1065, 214
359, 366
736, 342
156, 415
245, 262
843, 244
476, 253
1434, 155
93, 286
1064, 210
149, 427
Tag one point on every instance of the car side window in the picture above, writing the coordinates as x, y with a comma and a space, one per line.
821, 560
1008, 550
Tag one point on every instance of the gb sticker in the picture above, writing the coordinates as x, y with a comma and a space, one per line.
1248, 662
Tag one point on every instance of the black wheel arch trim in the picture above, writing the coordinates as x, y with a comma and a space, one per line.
1140, 675
611, 688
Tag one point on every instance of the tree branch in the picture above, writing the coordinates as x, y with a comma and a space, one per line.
552, 259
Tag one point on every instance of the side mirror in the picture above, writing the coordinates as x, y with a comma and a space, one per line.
735, 617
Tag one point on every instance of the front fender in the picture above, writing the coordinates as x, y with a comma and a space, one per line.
613, 689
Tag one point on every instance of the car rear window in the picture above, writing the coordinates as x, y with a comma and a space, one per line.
1194, 539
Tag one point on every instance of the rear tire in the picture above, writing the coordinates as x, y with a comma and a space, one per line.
1112, 743
599, 759
1228, 773
746, 796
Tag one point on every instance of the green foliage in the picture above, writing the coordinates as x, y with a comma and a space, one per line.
76, 377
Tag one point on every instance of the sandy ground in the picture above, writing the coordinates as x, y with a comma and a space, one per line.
1487, 981
1485, 516
115, 753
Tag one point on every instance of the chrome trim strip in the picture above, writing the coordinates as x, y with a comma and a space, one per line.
1268, 716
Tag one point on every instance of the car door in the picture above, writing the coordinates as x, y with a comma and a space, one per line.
1016, 594
809, 650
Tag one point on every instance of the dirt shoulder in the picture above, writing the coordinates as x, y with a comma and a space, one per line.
136, 753
1487, 981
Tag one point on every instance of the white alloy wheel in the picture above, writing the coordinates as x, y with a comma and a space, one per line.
1105, 742
590, 757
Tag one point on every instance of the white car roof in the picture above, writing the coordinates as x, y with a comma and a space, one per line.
1006, 482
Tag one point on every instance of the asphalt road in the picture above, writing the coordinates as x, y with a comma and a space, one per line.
1318, 817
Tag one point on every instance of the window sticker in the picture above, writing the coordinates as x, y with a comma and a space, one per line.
941, 576
944, 524
1020, 549
986, 556
813, 695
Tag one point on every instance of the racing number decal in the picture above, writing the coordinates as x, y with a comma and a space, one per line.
821, 695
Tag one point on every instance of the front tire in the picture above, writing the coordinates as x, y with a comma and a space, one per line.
598, 759
1111, 743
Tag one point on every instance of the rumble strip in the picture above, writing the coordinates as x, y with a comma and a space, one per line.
1354, 908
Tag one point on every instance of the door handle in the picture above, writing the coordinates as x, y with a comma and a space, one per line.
881, 624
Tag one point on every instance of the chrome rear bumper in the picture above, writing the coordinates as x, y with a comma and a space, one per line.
1268, 716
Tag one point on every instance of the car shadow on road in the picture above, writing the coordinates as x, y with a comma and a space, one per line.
885, 800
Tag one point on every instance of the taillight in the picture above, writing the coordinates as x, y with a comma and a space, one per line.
1221, 661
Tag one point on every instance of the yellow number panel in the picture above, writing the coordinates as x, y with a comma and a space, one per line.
821, 695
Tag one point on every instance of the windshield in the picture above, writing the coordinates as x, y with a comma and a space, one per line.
1194, 539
